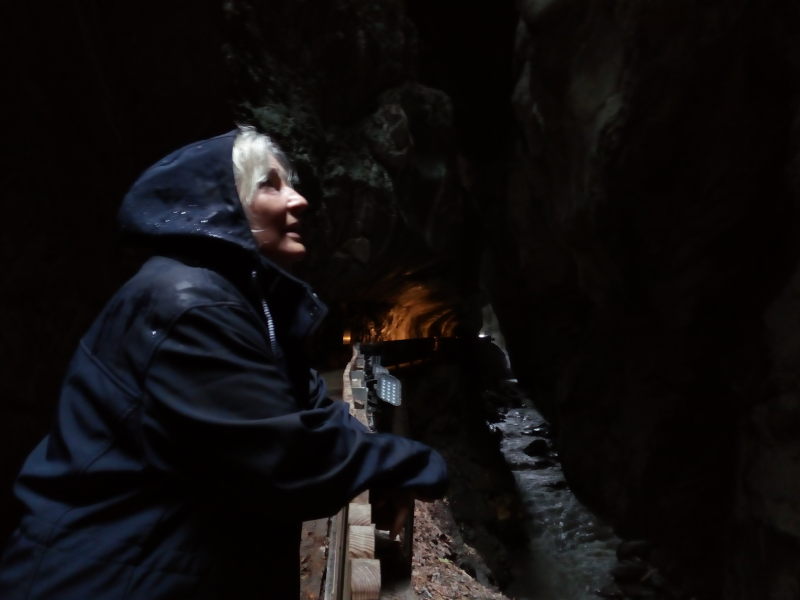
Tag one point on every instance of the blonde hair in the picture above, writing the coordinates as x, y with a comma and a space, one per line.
253, 153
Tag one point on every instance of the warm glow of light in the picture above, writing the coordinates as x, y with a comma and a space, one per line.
416, 313
346, 336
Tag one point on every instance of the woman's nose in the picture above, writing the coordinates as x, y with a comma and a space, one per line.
295, 200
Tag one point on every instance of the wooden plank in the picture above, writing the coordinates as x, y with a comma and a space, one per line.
359, 412
335, 567
362, 572
347, 592
313, 546
360, 394
347, 393
359, 514
365, 579
361, 541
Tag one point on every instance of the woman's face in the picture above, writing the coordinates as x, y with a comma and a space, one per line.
274, 216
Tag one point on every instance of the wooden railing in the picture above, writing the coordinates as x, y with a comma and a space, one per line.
353, 572
365, 563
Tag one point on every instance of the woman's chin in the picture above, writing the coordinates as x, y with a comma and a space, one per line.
287, 253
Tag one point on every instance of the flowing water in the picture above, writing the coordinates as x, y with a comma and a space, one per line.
570, 551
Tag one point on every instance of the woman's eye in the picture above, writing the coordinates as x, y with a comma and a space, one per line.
273, 180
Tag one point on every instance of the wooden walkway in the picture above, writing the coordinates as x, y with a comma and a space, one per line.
345, 557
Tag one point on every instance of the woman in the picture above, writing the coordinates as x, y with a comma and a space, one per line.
192, 437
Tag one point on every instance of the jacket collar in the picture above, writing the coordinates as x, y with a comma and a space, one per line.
297, 308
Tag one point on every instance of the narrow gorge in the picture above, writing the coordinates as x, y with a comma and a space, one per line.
614, 184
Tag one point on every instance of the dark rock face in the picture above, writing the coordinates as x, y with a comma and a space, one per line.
377, 156
651, 231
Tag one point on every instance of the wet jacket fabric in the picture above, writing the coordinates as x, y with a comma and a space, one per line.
192, 438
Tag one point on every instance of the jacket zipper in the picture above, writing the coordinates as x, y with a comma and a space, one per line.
271, 337
273, 341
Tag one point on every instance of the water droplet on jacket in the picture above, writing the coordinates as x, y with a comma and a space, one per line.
204, 221
153, 332
183, 212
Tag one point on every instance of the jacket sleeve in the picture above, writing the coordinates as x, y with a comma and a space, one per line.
317, 390
219, 411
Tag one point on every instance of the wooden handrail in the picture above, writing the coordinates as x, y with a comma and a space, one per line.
352, 571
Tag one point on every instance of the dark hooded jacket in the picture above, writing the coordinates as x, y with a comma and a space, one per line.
192, 438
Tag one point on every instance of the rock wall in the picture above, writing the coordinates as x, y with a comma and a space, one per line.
376, 153
644, 279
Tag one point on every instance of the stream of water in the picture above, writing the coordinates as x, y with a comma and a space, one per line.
570, 552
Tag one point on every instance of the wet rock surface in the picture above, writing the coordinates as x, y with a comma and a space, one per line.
569, 552
537, 447
644, 279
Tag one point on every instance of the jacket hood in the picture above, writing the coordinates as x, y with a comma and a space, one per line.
191, 194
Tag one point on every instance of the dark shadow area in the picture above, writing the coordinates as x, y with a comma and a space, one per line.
95, 92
